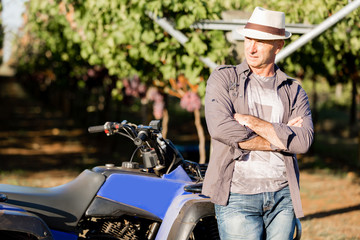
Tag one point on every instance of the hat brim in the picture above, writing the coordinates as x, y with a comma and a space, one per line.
255, 34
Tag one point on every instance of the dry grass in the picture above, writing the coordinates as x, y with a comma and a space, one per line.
49, 178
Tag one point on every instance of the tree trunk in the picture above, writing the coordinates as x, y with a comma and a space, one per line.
359, 148
314, 102
354, 122
201, 134
353, 112
165, 123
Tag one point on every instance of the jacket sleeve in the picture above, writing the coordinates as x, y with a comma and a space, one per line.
297, 140
219, 111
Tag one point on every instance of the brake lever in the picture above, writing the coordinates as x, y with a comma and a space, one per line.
111, 127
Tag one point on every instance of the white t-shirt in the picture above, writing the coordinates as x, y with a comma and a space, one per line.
261, 171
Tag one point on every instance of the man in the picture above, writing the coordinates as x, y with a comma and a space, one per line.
258, 119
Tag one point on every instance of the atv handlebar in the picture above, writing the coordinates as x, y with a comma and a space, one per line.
109, 128
96, 129
156, 152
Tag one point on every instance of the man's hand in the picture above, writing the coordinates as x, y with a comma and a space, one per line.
245, 119
296, 122
242, 119
264, 128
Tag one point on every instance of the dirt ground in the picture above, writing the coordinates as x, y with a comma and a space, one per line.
38, 153
332, 206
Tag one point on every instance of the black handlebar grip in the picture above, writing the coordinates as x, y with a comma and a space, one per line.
96, 129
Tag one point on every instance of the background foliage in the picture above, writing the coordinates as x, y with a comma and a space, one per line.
93, 53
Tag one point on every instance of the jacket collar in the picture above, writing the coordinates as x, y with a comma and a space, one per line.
243, 68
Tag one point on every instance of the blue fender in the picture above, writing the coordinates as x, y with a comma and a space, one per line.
151, 196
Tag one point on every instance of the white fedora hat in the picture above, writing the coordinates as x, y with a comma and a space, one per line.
265, 25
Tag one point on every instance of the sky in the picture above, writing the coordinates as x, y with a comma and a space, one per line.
11, 20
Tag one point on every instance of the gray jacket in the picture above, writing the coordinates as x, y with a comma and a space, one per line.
226, 95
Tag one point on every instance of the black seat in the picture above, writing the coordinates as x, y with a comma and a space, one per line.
60, 207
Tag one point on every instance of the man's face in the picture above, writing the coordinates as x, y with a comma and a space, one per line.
261, 53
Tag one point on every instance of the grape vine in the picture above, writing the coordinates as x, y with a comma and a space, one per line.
71, 42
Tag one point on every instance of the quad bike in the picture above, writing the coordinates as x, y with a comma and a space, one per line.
159, 199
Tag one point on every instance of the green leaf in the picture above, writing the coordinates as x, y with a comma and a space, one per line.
148, 36
185, 21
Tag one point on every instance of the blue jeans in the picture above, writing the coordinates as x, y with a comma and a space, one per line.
261, 216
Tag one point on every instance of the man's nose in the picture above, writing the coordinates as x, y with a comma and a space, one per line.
252, 45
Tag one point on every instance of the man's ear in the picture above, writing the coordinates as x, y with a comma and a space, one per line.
280, 45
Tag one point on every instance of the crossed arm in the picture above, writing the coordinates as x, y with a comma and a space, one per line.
265, 131
294, 137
